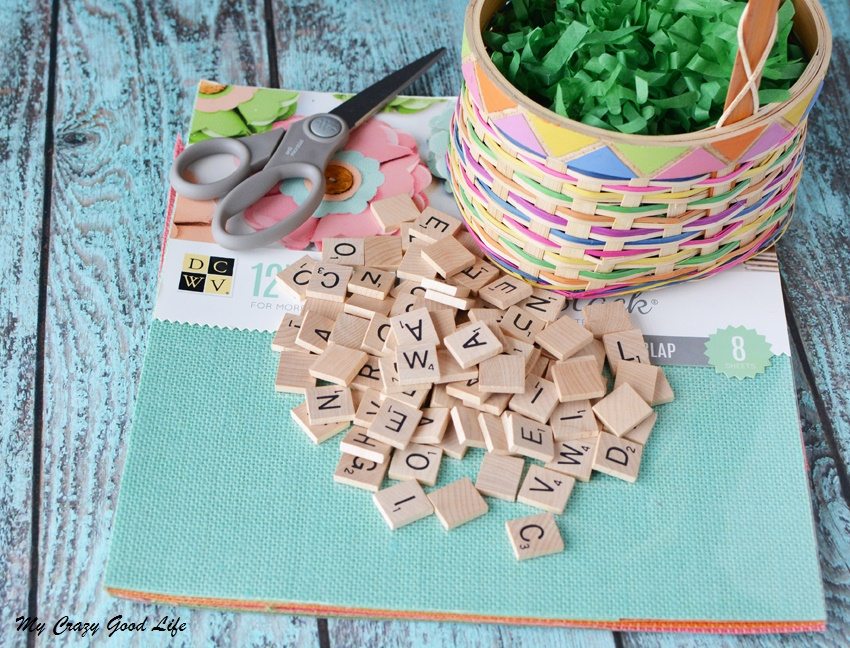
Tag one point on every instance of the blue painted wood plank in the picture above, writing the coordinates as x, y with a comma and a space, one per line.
23, 101
125, 80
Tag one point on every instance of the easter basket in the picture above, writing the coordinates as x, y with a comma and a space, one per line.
592, 212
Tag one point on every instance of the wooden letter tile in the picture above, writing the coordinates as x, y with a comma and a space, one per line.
663, 390
625, 346
595, 350
447, 256
432, 426
499, 476
502, 374
293, 372
546, 489
622, 410
329, 282
360, 473
472, 344
433, 225
365, 307
460, 303
528, 438
371, 282
320, 432
466, 427
344, 251
640, 433
641, 377
451, 371
419, 462
520, 324
391, 212
573, 420
476, 276
505, 291
295, 277
366, 412
544, 304
349, 331
451, 445
413, 266
577, 379
357, 444
414, 328
457, 503
534, 536
574, 458
403, 504
324, 307
369, 376
287, 331
493, 430
383, 252
395, 423
537, 400
338, 365
314, 333
376, 335
563, 337
418, 364
329, 404
617, 457
607, 317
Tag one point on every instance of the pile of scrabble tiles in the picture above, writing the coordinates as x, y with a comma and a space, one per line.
416, 347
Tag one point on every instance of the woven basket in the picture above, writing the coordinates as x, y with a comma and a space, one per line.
591, 212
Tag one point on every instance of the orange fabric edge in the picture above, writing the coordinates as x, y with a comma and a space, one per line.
633, 625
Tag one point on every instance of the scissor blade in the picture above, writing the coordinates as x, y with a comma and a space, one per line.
366, 103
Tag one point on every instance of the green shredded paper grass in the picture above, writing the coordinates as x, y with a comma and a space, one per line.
653, 67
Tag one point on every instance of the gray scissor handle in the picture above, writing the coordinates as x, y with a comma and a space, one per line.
305, 151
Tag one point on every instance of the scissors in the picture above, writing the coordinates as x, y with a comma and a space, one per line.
266, 159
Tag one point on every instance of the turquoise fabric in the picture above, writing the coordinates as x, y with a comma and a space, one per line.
222, 496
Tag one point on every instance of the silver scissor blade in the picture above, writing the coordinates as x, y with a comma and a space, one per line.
366, 103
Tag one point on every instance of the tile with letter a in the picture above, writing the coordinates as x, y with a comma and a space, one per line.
574, 458
356, 443
563, 337
457, 503
607, 317
432, 426
413, 328
578, 379
360, 473
329, 282
394, 423
499, 476
617, 457
573, 420
534, 536
344, 251
546, 489
528, 438
537, 401
505, 291
625, 346
318, 433
314, 333
622, 410
371, 282
402, 504
419, 462
329, 404
472, 344
293, 372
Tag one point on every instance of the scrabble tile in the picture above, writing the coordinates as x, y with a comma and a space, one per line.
413, 266
505, 291
402, 504
319, 432
365, 307
389, 375
602, 318
573, 420
528, 438
595, 350
540, 366
416, 461
640, 433
574, 458
417, 364
526, 350
287, 330
563, 337
413, 397
349, 331
329, 404
368, 408
545, 304
441, 285
432, 426
344, 251
534, 536
338, 364
371, 282
440, 397
491, 316
663, 391
460, 303
466, 427
451, 445
414, 328
433, 225
537, 400
546, 489
625, 346
360, 473
502, 374
329, 282
324, 307
369, 375
468, 241
621, 410
314, 333
293, 372
444, 323
295, 277
520, 324
468, 391
447, 256
476, 276
376, 334
641, 377
394, 423
493, 430
407, 287
577, 379
499, 476
495, 404
472, 344
405, 236
617, 457
451, 371
391, 212
383, 252
356, 443
457, 503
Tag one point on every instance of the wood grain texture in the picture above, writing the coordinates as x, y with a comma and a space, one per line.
23, 102
124, 87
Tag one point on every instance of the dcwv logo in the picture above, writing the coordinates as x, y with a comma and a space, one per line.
207, 274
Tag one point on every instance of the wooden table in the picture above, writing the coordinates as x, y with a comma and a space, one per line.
93, 96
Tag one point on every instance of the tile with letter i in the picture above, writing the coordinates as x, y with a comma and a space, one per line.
534, 536
414, 327
519, 324
394, 423
371, 282
447, 256
563, 337
344, 251
476, 276
360, 473
473, 344
622, 410
544, 304
608, 317
419, 462
329, 404
338, 365
391, 212
573, 420
418, 364
293, 372
287, 331
578, 379
505, 291
528, 438
546, 489
574, 458
537, 401
295, 277
329, 282
402, 504
625, 346
356, 443
618, 457
457, 503
499, 476
319, 432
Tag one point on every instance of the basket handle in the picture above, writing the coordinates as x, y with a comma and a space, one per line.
756, 34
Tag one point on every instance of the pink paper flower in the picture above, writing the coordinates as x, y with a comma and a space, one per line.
377, 162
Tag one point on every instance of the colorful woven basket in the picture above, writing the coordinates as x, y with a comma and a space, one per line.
591, 212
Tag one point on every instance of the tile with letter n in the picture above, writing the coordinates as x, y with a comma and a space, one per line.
625, 346
618, 457
344, 251
356, 443
402, 504
505, 291
418, 364
546, 489
394, 423
563, 337
457, 503
329, 404
574, 458
472, 344
371, 282
528, 438
534, 536
329, 282
416, 461
360, 473
499, 476
544, 304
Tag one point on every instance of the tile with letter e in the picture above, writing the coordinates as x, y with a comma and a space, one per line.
416, 461
356, 443
329, 404
473, 344
402, 504
578, 379
625, 346
528, 438
618, 457
329, 282
476, 276
499, 476
505, 291
394, 423
563, 337
433, 225
622, 410
360, 473
534, 536
574, 458
546, 489
457, 503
